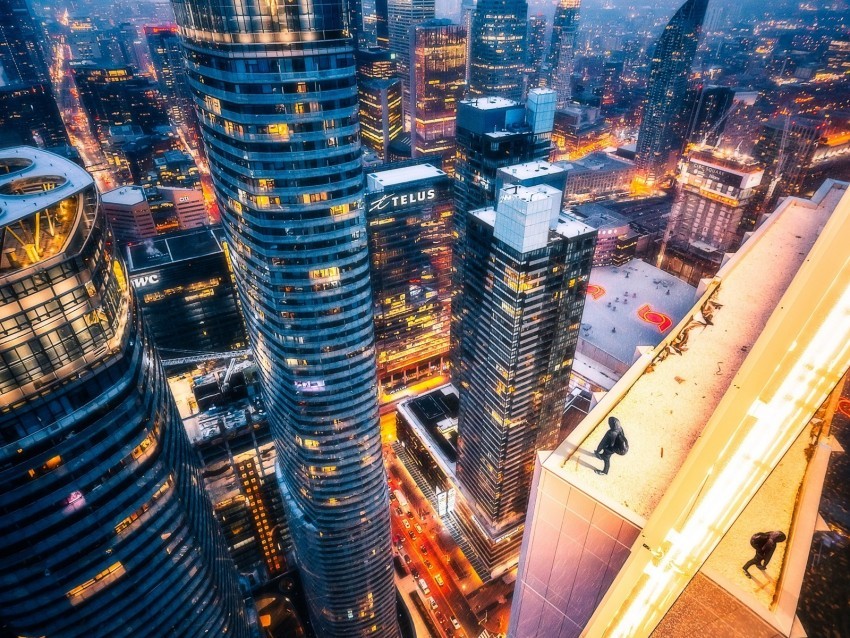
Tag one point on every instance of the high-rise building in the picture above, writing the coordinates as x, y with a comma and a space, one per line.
578, 131
526, 268
491, 133
137, 213
381, 118
382, 30
467, 8
186, 293
409, 216
117, 96
716, 197
376, 63
536, 48
28, 111
402, 15
561, 55
497, 48
438, 66
728, 421
785, 148
105, 525
289, 182
168, 61
663, 128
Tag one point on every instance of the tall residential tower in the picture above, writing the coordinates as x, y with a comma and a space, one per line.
497, 48
277, 101
105, 525
663, 129
559, 61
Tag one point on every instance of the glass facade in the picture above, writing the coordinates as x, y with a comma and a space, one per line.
276, 95
105, 525
438, 57
402, 15
524, 289
559, 61
663, 128
497, 50
409, 222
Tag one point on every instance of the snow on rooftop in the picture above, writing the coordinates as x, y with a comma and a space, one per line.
124, 196
381, 179
492, 102
531, 169
569, 226
632, 305
663, 409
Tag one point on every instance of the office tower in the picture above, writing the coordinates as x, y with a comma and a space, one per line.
467, 8
376, 63
293, 215
710, 107
612, 82
491, 133
737, 395
117, 96
363, 22
561, 56
382, 22
497, 48
578, 131
105, 525
186, 293
404, 14
662, 130
137, 213
524, 282
785, 148
82, 39
536, 48
28, 111
715, 203
438, 65
597, 176
380, 114
409, 218
167, 58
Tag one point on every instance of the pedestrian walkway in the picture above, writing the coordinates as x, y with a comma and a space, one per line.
449, 521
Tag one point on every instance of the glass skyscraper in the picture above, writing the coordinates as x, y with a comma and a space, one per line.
497, 49
559, 61
663, 129
105, 525
277, 101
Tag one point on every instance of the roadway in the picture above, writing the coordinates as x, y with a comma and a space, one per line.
439, 552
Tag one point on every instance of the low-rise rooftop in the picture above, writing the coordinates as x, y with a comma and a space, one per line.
379, 180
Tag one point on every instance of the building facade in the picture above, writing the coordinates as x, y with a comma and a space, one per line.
524, 282
409, 217
402, 15
381, 116
437, 84
715, 205
561, 54
186, 293
289, 182
105, 524
597, 176
663, 128
497, 48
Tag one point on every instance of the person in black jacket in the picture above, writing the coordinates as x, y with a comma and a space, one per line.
765, 544
609, 443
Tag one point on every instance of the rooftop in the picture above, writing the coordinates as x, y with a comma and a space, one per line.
124, 196
665, 411
569, 226
597, 161
435, 415
530, 170
492, 102
632, 305
405, 175
172, 248
600, 216
32, 179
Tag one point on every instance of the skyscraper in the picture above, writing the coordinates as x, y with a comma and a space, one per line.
524, 281
559, 61
438, 67
536, 48
715, 200
497, 49
105, 525
663, 129
381, 119
28, 111
279, 121
402, 15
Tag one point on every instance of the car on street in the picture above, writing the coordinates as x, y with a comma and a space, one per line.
399, 512
423, 549
427, 563
455, 623
406, 523
410, 515
412, 535
408, 559
418, 528
432, 602
415, 572
423, 586
438, 578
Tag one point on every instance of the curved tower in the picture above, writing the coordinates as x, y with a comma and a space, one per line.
277, 101
663, 128
104, 525
497, 48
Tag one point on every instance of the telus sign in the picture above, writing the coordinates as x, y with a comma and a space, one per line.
393, 200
